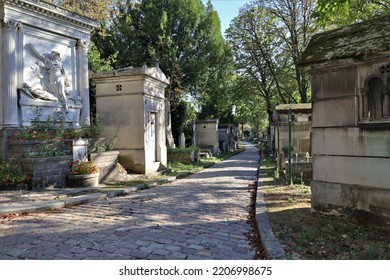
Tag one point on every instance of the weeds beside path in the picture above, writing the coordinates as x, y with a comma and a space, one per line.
306, 235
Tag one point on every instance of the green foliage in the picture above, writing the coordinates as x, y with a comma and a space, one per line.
182, 36
98, 64
99, 10
181, 115
337, 13
53, 131
48, 148
183, 151
267, 39
11, 173
285, 150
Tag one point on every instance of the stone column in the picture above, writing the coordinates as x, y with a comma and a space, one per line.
82, 47
10, 75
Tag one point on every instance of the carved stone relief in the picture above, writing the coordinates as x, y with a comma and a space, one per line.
54, 81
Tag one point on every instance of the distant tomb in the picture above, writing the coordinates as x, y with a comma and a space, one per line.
206, 136
227, 137
301, 115
300, 128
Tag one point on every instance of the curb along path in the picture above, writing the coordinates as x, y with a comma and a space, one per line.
204, 216
272, 247
15, 203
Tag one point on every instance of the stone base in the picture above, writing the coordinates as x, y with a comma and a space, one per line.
108, 162
334, 197
46, 172
82, 181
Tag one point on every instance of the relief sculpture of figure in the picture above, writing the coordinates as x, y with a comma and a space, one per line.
56, 81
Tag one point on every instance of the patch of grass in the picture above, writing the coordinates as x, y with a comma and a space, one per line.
307, 235
185, 169
176, 169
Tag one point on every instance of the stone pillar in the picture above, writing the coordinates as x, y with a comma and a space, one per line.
10, 75
82, 48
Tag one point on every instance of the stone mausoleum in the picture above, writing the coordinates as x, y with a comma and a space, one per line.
44, 65
206, 136
131, 105
300, 128
350, 76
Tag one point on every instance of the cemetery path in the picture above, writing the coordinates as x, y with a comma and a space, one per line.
204, 216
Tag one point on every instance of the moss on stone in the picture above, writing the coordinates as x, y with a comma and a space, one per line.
352, 41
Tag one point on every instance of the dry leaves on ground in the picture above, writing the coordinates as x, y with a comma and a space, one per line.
307, 235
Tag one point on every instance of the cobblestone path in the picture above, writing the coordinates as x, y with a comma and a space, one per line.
200, 217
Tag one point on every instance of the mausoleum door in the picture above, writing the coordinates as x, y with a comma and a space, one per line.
153, 141
375, 94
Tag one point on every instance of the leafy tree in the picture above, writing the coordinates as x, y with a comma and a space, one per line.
267, 39
296, 29
249, 107
258, 54
179, 35
99, 10
338, 13
182, 36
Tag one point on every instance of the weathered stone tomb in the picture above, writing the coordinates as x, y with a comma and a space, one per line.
350, 76
131, 105
206, 135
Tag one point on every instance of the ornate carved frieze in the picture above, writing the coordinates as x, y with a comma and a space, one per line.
83, 45
10, 24
53, 11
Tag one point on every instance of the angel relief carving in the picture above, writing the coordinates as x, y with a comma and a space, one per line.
54, 82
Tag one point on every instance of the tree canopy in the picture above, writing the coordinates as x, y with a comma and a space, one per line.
255, 68
268, 38
338, 13
182, 36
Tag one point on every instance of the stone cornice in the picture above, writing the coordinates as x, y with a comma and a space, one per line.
48, 10
152, 72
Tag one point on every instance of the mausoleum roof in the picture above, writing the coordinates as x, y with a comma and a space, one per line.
306, 107
154, 72
353, 41
207, 121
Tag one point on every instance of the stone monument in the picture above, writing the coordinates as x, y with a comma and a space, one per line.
350, 74
207, 135
44, 65
132, 101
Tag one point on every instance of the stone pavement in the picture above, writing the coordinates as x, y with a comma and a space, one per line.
202, 217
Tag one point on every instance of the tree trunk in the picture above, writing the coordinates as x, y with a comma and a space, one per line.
169, 135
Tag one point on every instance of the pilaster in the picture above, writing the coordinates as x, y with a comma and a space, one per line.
82, 48
10, 75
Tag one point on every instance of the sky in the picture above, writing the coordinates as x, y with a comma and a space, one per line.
227, 10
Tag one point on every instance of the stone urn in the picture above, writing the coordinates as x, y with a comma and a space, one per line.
82, 181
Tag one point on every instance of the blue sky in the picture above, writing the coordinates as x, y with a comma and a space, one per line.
227, 10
